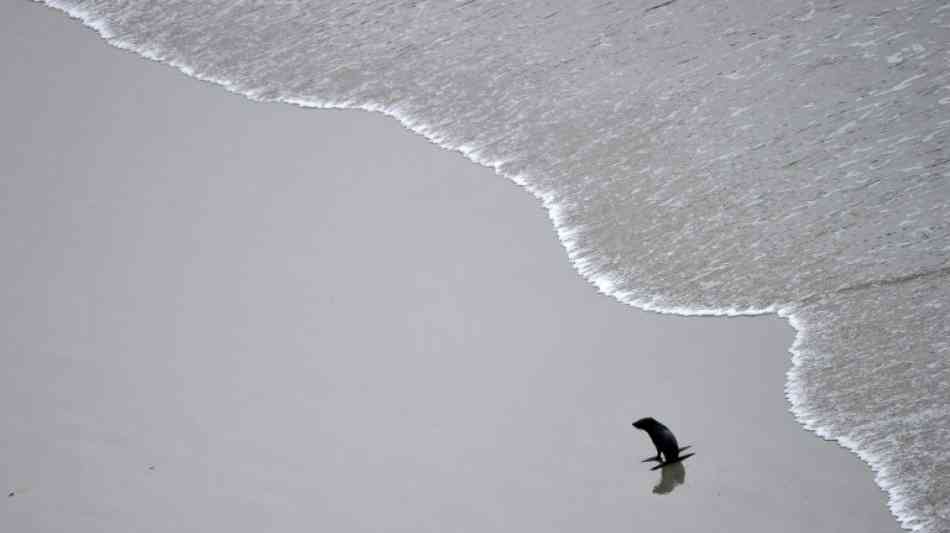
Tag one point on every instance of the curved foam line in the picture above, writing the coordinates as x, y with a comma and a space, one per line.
896, 503
566, 235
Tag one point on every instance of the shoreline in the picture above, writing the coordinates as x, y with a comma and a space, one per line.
630, 444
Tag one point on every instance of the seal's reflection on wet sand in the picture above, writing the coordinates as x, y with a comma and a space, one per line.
671, 476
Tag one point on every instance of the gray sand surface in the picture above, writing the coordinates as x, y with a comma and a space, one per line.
228, 316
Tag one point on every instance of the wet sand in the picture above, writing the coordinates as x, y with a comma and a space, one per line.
235, 316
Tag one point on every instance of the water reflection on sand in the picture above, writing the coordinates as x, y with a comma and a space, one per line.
671, 476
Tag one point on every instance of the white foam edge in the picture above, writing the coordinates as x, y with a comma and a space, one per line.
604, 282
897, 502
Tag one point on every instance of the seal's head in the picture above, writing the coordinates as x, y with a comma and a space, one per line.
646, 424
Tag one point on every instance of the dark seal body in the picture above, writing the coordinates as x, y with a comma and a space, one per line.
662, 438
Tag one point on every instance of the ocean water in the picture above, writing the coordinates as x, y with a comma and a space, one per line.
694, 157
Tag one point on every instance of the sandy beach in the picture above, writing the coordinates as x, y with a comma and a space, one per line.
222, 315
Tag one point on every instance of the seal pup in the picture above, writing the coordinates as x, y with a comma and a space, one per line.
667, 449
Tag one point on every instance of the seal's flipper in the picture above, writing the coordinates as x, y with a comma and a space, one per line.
674, 461
657, 459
